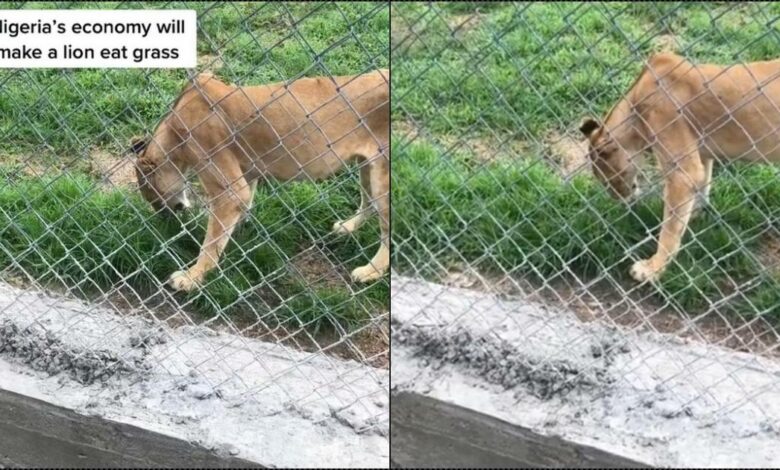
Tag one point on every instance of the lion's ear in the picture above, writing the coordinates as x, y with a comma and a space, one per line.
137, 145
588, 125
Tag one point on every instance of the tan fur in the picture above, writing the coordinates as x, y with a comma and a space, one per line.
234, 137
687, 115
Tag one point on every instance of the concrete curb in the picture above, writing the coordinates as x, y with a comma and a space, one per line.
37, 434
235, 397
641, 397
428, 433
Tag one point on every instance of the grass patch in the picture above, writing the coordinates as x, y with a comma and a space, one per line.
527, 68
65, 232
521, 218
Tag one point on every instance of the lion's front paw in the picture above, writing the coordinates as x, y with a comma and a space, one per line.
184, 281
339, 228
645, 270
366, 273
345, 227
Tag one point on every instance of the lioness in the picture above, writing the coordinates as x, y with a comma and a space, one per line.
232, 137
687, 115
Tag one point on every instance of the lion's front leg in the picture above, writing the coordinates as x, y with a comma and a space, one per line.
225, 212
679, 200
379, 185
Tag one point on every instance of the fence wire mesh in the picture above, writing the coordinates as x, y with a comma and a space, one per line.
494, 191
75, 224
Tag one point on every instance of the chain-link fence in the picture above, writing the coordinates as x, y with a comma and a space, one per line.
493, 186
75, 224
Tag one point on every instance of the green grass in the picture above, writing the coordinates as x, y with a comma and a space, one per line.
526, 70
521, 218
86, 240
65, 231
530, 68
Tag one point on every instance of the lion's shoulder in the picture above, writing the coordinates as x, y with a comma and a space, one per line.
666, 72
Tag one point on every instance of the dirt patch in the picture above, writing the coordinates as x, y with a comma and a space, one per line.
25, 164
374, 342
312, 265
769, 252
486, 149
405, 33
370, 344
463, 277
367, 344
627, 306
209, 63
665, 43
460, 25
482, 148
407, 129
112, 170
567, 154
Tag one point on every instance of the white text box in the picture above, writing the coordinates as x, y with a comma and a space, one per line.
98, 38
